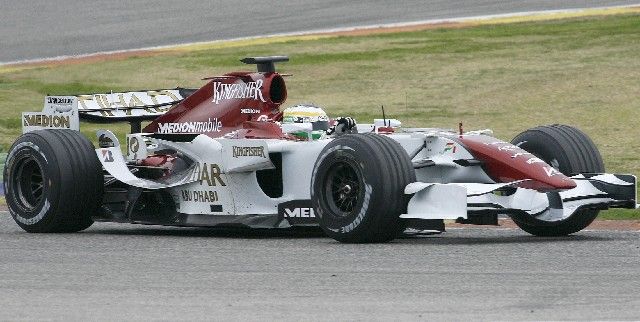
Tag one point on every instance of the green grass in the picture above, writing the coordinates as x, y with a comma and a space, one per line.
619, 214
584, 72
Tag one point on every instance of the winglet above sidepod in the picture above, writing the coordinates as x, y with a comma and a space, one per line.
265, 64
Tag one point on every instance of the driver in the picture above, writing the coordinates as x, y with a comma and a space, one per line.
321, 125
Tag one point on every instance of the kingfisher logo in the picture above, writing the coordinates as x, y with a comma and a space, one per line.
252, 90
248, 151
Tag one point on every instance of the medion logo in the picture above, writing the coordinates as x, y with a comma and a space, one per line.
57, 121
249, 111
212, 125
299, 213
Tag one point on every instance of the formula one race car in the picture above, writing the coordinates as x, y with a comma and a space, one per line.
223, 155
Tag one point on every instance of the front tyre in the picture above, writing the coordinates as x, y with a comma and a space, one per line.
357, 188
571, 152
53, 181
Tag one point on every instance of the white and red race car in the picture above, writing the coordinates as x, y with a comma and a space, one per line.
220, 156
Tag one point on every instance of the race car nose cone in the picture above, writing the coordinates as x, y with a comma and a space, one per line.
505, 162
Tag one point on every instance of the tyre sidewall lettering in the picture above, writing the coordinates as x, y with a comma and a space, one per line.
38, 152
351, 222
319, 161
353, 156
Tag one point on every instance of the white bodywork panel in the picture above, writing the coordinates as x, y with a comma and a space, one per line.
438, 201
454, 200
445, 200
59, 112
114, 162
234, 189
296, 174
222, 178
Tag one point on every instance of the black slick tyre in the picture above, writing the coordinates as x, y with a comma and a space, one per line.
570, 151
357, 188
53, 181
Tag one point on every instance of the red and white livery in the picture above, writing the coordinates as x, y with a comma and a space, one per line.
220, 156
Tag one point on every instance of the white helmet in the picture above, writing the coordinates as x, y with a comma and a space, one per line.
307, 113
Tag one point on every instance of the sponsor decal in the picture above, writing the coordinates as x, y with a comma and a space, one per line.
231, 135
199, 196
508, 147
297, 212
44, 120
107, 104
105, 141
134, 144
249, 111
214, 125
449, 147
551, 171
59, 100
248, 151
514, 148
262, 118
534, 160
503, 146
107, 155
209, 173
519, 154
252, 90
302, 212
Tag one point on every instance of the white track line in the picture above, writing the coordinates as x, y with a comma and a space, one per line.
323, 31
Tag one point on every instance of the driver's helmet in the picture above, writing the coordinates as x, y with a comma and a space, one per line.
307, 113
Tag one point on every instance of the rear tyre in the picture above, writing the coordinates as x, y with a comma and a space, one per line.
53, 181
357, 188
571, 152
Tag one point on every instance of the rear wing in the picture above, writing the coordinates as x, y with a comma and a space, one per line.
65, 112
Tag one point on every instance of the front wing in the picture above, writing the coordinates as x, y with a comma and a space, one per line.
458, 200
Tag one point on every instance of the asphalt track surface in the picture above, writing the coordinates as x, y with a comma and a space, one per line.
42, 28
114, 272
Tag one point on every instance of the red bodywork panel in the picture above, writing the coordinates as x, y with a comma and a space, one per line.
246, 103
505, 162
159, 160
234, 102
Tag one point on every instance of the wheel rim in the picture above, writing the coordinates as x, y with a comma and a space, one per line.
28, 183
343, 188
